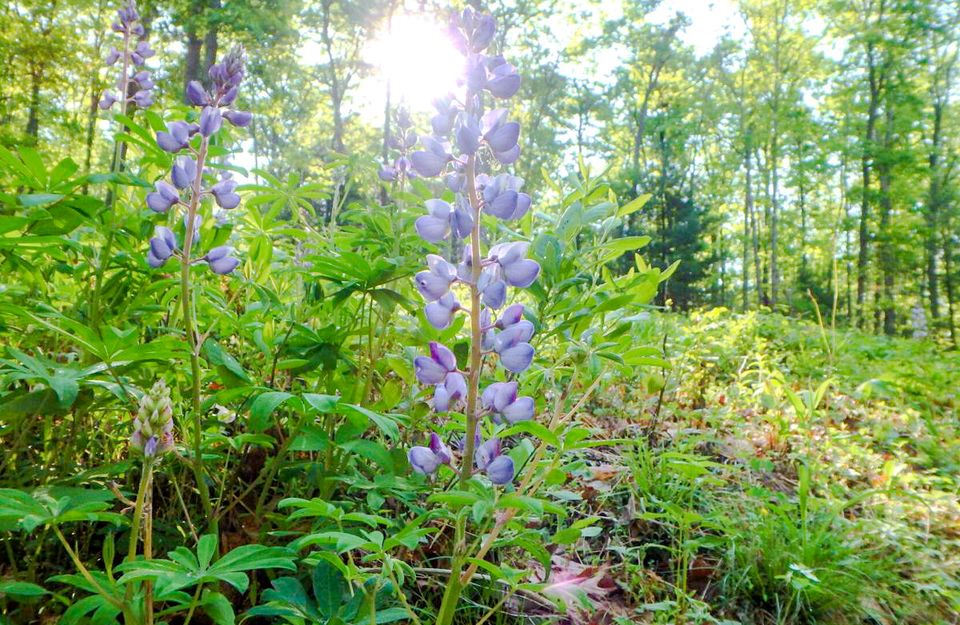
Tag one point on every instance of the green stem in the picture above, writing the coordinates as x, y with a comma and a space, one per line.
111, 194
86, 573
476, 335
145, 478
189, 329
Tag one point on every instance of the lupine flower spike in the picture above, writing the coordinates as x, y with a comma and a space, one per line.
187, 176
464, 136
134, 83
153, 425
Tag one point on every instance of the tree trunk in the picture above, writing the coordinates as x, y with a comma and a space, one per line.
948, 286
33, 116
931, 215
865, 166
336, 94
210, 39
887, 261
747, 213
191, 69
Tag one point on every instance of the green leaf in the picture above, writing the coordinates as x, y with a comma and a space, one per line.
263, 408
385, 423
218, 608
328, 588
24, 590
634, 205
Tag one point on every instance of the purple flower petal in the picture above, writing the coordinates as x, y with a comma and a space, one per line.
431, 229
520, 410
486, 453
240, 119
504, 137
517, 358
427, 164
443, 356
441, 398
500, 470
428, 370
422, 460
210, 120
521, 273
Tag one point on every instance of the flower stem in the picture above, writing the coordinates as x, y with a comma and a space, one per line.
188, 327
476, 332
95, 312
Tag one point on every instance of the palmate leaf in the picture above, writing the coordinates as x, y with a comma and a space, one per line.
27, 511
185, 569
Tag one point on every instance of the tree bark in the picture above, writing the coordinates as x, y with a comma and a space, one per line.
865, 167
887, 261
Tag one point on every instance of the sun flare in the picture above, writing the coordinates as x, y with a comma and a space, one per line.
417, 58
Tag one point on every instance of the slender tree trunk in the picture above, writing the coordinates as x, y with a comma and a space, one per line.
210, 39
191, 69
887, 261
948, 286
932, 213
336, 90
774, 213
865, 166
747, 213
33, 116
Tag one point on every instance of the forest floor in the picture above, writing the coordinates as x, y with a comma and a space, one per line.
785, 474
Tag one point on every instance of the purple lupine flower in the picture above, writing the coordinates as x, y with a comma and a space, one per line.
500, 470
475, 73
165, 196
196, 94
505, 265
223, 192
515, 268
511, 315
427, 460
163, 245
210, 120
503, 80
447, 111
498, 467
489, 334
107, 101
443, 218
422, 460
484, 28
468, 134
176, 137
486, 452
430, 162
221, 260
143, 98
501, 399
433, 369
128, 24
492, 289
184, 172
440, 312
436, 281
512, 345
240, 119
500, 134
141, 53
502, 197
450, 392
440, 448
143, 79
